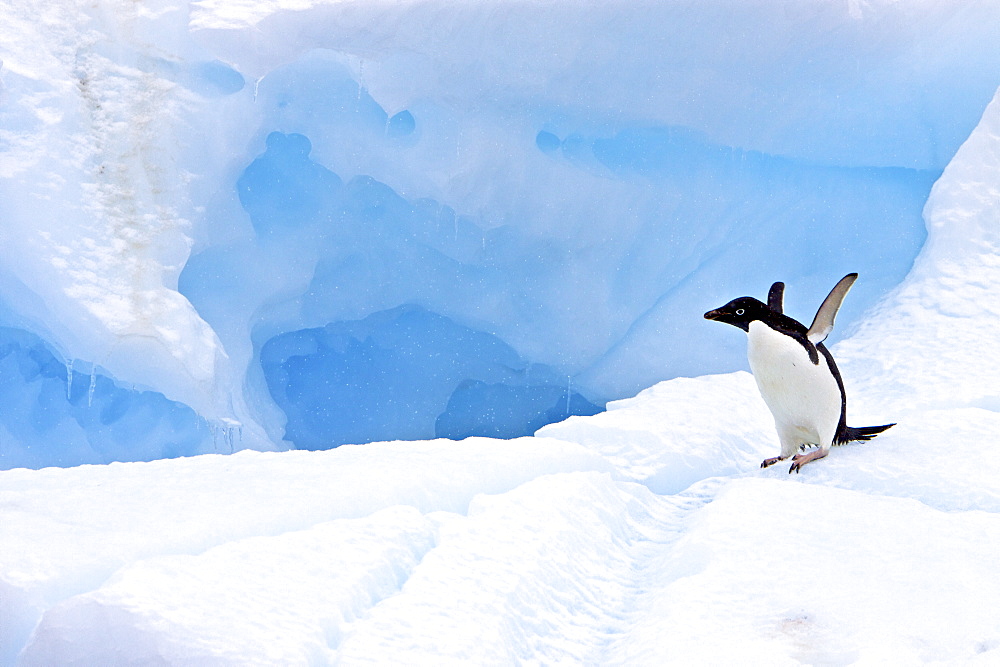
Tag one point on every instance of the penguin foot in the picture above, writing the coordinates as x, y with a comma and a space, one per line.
800, 460
771, 461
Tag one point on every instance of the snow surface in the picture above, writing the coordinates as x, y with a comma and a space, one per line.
305, 223
644, 535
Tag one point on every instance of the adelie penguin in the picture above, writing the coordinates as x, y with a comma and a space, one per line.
797, 376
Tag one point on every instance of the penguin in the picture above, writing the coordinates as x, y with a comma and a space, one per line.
796, 374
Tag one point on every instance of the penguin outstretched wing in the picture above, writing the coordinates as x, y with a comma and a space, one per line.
823, 322
775, 296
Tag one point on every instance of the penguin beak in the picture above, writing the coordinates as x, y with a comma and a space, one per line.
713, 314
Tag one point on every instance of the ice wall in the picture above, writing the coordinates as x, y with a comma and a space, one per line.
97, 200
344, 221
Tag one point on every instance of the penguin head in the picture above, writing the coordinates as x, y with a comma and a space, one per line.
741, 312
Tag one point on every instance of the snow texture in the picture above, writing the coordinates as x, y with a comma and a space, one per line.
314, 223
270, 212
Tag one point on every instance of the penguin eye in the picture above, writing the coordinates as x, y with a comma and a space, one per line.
740, 311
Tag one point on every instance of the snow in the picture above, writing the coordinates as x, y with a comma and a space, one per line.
833, 577
490, 232
506, 552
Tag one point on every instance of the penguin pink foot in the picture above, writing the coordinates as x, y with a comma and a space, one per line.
800, 460
766, 463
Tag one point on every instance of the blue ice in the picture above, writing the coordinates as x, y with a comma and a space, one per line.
54, 414
408, 373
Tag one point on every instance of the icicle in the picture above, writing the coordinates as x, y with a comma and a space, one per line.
69, 379
229, 431
256, 86
569, 388
93, 385
361, 78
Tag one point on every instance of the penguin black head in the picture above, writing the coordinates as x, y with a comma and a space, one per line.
741, 312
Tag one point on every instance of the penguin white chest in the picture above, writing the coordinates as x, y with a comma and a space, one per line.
803, 397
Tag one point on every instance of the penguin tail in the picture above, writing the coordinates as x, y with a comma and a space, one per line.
852, 433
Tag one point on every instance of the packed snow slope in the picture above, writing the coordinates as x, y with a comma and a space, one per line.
644, 535
278, 224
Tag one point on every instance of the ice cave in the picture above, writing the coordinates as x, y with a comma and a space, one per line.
284, 225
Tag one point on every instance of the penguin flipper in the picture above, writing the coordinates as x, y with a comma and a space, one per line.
822, 324
774, 297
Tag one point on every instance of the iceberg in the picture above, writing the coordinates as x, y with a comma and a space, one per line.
188, 188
